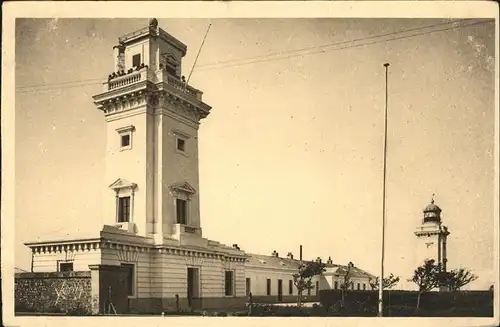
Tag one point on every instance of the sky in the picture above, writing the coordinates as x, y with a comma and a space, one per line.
291, 153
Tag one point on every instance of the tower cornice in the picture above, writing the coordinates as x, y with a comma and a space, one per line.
178, 117
150, 31
159, 90
123, 98
428, 230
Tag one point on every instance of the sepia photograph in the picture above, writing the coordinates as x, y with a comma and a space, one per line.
253, 167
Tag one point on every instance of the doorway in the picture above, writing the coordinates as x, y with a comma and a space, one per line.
193, 285
248, 286
280, 290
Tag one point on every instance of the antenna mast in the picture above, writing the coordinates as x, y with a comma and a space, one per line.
199, 51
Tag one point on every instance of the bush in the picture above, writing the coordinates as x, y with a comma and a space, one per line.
291, 311
278, 311
318, 310
401, 311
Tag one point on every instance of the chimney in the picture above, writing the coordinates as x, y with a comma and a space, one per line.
290, 255
300, 254
236, 246
275, 254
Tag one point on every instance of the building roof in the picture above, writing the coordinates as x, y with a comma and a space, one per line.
272, 261
269, 261
355, 272
152, 29
432, 208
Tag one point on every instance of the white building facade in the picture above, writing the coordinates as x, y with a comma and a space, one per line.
152, 224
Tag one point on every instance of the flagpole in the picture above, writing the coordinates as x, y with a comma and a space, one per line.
381, 279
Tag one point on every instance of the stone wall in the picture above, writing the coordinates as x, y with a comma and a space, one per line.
53, 292
89, 292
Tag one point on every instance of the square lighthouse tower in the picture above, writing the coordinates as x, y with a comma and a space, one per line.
152, 119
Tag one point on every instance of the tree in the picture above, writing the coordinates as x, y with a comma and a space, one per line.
426, 277
302, 279
389, 282
457, 278
346, 283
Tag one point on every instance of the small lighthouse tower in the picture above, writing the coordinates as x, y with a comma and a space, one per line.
432, 236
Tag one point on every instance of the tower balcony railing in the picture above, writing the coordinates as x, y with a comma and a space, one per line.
127, 226
428, 230
179, 85
146, 74
127, 79
181, 229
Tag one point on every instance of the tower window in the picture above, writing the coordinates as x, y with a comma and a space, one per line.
181, 141
181, 144
181, 206
171, 70
125, 140
124, 209
170, 64
136, 60
125, 134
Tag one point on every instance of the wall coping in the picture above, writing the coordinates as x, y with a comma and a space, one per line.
106, 267
82, 245
286, 270
52, 275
